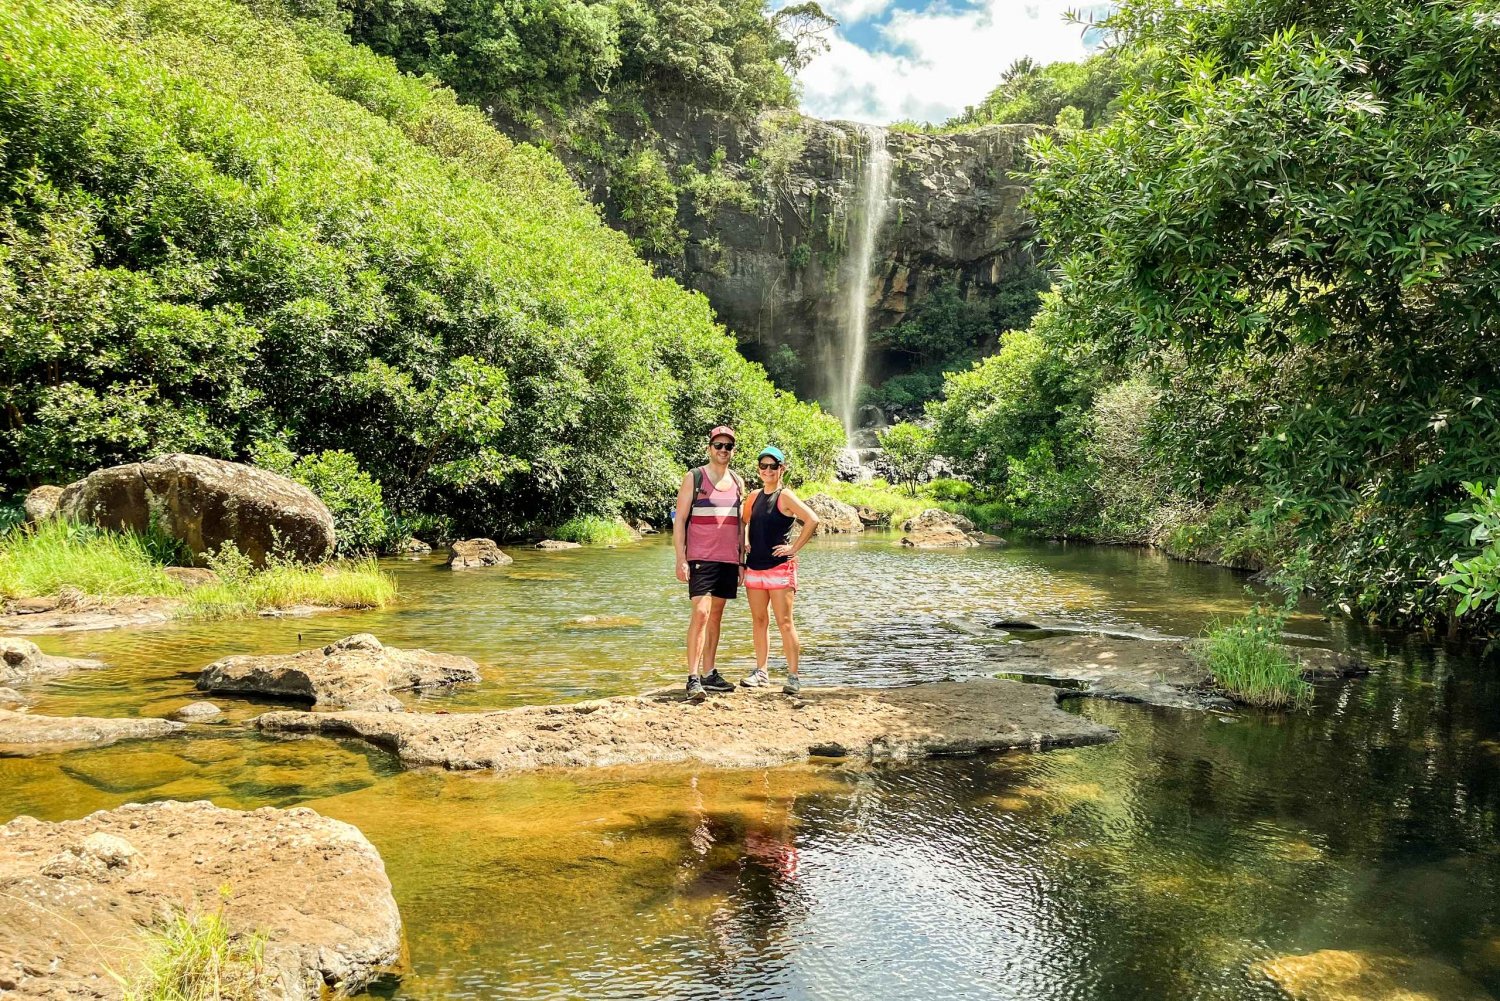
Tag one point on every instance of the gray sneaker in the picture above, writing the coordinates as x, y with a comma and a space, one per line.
757, 678
695, 692
793, 685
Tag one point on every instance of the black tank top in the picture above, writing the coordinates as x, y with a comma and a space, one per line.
769, 528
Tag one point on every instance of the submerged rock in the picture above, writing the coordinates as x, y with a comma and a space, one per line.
357, 672
205, 503
315, 887
834, 516
748, 729
1340, 975
41, 504
586, 623
469, 553
29, 733
555, 545
197, 712
22, 661
938, 529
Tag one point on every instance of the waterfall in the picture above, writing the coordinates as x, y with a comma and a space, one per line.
873, 193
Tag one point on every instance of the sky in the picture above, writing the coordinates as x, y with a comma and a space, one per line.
890, 60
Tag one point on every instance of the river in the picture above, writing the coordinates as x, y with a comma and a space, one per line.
1169, 864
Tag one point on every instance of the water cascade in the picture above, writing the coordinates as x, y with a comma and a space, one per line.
874, 192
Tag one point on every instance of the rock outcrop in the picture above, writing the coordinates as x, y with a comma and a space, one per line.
357, 672
937, 529
22, 661
749, 728
205, 503
77, 897
467, 554
834, 516
29, 733
41, 504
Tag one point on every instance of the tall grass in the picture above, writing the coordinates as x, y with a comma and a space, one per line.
42, 560
193, 957
1251, 666
244, 590
592, 530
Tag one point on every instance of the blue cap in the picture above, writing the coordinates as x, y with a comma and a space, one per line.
774, 453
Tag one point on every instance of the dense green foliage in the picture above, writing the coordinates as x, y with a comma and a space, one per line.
1284, 237
1476, 578
548, 53
908, 449
1079, 94
219, 224
592, 530
352, 497
1250, 665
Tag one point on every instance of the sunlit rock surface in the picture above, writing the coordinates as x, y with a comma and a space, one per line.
30, 733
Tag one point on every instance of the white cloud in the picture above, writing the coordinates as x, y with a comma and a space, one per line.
935, 61
855, 11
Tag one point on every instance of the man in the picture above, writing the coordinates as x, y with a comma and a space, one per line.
707, 536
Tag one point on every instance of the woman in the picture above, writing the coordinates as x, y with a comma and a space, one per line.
771, 566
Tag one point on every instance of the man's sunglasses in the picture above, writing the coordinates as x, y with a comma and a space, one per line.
770, 465
724, 446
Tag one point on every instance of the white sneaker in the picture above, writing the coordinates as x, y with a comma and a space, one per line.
757, 678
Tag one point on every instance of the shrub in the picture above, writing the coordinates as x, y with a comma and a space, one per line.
592, 530
193, 957
354, 499
1250, 664
908, 449
1476, 580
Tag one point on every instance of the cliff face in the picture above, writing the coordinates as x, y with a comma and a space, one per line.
769, 210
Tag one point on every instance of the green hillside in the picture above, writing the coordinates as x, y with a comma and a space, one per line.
224, 224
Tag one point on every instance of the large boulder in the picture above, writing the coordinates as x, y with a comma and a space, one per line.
936, 529
466, 554
357, 672
41, 504
22, 661
28, 733
834, 516
205, 503
76, 898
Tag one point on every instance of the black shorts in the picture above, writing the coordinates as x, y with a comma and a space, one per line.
722, 580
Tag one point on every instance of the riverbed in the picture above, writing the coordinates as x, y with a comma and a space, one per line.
1170, 864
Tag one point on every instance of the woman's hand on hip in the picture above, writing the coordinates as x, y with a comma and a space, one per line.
784, 550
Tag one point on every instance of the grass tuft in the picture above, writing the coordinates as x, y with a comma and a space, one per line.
592, 530
244, 590
194, 957
1250, 665
42, 560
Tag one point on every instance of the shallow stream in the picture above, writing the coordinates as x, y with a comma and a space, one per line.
1167, 865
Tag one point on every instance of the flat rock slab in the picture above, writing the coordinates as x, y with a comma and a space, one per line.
22, 661
54, 617
745, 729
77, 895
23, 734
357, 672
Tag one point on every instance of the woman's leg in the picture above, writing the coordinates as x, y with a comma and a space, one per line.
760, 624
791, 644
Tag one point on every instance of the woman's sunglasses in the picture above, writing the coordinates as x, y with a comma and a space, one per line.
724, 446
770, 465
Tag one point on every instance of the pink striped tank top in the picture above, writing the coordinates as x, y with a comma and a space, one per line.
713, 530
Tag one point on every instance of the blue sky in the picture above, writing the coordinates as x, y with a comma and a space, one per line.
898, 59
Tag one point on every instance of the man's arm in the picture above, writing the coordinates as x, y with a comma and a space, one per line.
679, 524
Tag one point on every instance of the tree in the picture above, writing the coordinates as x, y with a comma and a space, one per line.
909, 449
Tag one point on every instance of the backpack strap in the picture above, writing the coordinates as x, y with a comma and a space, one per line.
697, 482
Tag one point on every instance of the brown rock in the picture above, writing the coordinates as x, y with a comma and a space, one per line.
28, 733
643, 527
553, 545
469, 553
204, 503
749, 729
197, 711
41, 504
22, 661
313, 886
1340, 975
357, 672
191, 577
937, 529
869, 517
834, 516
413, 545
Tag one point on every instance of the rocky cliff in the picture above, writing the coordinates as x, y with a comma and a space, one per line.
766, 210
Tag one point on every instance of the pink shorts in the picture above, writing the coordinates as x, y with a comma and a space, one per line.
775, 579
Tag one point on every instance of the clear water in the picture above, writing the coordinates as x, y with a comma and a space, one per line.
1167, 865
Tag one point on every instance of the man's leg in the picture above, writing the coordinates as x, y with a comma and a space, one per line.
697, 628
715, 617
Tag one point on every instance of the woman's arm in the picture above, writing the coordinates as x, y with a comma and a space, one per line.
745, 511
803, 513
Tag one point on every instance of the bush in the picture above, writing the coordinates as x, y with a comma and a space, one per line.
354, 499
591, 530
1476, 579
908, 450
1250, 664
42, 560
193, 957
